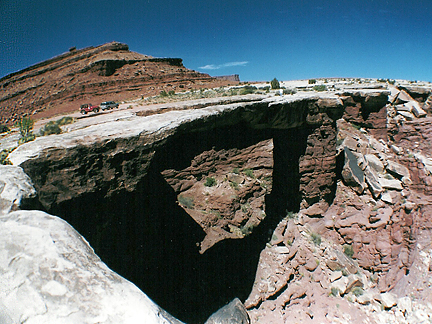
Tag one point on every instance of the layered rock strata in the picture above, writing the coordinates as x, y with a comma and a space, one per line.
346, 214
93, 74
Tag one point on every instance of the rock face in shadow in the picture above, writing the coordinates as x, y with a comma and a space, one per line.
50, 274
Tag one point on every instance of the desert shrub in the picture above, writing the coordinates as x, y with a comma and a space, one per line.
187, 202
312, 81
275, 84
171, 93
247, 90
291, 215
4, 156
249, 173
357, 291
25, 126
4, 129
234, 185
316, 238
236, 171
163, 93
320, 87
348, 250
335, 292
210, 182
289, 91
50, 128
65, 121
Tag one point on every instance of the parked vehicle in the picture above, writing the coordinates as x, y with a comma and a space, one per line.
86, 108
106, 105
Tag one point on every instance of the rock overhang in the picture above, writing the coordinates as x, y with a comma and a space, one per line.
148, 133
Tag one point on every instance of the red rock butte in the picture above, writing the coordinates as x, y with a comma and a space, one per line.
93, 74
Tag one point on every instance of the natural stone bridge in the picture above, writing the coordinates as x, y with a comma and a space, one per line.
107, 177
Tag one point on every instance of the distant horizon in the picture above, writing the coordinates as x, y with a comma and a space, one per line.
258, 40
212, 75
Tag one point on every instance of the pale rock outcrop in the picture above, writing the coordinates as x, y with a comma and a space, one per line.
49, 274
15, 186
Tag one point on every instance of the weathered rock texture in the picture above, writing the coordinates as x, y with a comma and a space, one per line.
93, 74
49, 273
321, 191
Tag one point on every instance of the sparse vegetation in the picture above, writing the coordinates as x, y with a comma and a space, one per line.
249, 173
187, 202
210, 182
234, 185
312, 81
291, 215
53, 127
4, 129
50, 128
348, 250
357, 291
25, 126
275, 84
320, 87
4, 160
316, 239
65, 121
335, 292
247, 90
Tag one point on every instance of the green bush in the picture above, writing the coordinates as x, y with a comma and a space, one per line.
357, 291
312, 81
335, 292
25, 126
65, 121
249, 173
4, 129
316, 238
247, 90
348, 250
50, 128
210, 182
320, 87
163, 93
4, 156
275, 84
187, 202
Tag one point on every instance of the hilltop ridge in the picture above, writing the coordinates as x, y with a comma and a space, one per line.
93, 74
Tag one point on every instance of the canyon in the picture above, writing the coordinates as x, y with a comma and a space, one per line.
269, 207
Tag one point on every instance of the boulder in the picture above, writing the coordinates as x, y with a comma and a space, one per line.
407, 115
352, 173
341, 285
372, 180
233, 313
49, 274
387, 300
402, 98
374, 162
392, 184
15, 186
397, 169
415, 108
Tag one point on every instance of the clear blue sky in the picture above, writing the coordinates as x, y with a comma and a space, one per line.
258, 39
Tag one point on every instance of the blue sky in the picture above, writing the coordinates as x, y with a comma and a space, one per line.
257, 39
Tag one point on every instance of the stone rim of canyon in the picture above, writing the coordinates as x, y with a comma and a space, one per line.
320, 199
